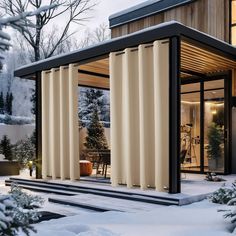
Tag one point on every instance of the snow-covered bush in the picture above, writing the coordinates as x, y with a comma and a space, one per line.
25, 151
17, 212
25, 200
7, 207
15, 120
224, 195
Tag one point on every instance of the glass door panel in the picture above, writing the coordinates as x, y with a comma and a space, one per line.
190, 127
203, 125
214, 126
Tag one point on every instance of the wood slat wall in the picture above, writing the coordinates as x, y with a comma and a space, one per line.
202, 61
209, 16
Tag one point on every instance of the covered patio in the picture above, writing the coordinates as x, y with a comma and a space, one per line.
144, 72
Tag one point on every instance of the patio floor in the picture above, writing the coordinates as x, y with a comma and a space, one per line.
194, 187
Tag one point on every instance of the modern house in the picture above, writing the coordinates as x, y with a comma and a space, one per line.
172, 87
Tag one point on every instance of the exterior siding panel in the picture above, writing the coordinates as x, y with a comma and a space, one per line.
211, 17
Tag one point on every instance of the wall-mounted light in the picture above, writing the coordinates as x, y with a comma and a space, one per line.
213, 110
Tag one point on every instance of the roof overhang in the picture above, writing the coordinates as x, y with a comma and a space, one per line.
148, 8
102, 50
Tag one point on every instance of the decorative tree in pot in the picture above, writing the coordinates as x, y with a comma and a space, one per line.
214, 151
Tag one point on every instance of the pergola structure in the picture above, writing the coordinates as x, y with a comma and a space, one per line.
143, 71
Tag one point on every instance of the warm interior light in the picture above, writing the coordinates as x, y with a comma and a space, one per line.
214, 111
187, 102
214, 108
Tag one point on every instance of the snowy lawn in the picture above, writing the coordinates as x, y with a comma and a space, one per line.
193, 220
198, 219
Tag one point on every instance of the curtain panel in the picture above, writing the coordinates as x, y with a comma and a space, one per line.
60, 149
139, 89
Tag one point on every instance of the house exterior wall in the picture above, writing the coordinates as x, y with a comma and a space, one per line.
208, 16
16, 132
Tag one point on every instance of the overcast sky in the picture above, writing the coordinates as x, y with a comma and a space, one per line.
108, 7
99, 15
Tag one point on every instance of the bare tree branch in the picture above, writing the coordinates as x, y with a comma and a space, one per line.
75, 11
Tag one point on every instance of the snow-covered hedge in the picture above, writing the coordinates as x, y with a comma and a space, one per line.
15, 120
17, 212
224, 195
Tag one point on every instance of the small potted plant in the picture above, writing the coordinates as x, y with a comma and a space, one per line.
214, 150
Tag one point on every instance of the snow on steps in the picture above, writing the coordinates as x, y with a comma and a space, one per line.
87, 206
66, 189
107, 192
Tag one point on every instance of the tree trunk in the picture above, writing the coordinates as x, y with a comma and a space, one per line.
37, 38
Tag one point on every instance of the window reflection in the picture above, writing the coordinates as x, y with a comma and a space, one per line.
233, 22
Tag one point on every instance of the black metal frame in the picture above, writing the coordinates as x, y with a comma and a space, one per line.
230, 21
94, 74
228, 122
38, 124
227, 118
174, 115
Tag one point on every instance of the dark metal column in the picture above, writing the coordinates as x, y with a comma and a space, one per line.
38, 125
174, 116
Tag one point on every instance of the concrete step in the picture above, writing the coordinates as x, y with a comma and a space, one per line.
81, 205
74, 189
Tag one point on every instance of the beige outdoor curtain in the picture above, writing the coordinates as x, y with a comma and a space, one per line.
139, 85
60, 149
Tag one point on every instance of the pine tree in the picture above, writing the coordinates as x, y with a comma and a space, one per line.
1, 103
10, 103
7, 104
96, 138
33, 100
91, 99
6, 148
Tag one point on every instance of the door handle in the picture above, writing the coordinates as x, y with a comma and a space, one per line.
225, 134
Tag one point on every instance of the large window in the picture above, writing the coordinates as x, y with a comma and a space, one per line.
203, 126
233, 22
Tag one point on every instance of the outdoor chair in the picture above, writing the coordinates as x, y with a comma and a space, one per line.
104, 161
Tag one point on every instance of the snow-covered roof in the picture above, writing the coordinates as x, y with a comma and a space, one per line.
102, 50
144, 9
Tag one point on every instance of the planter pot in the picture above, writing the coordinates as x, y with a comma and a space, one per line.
215, 164
86, 168
9, 168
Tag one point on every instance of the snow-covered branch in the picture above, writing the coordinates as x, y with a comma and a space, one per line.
19, 22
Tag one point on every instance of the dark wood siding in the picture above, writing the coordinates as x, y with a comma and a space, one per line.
208, 16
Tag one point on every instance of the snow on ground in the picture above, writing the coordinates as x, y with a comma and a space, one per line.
193, 220
200, 218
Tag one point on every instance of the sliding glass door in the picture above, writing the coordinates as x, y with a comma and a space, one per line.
190, 126
204, 125
214, 126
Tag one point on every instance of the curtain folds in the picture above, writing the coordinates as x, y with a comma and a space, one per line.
139, 90
60, 149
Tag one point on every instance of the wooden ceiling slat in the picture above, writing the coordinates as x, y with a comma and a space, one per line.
202, 61
100, 66
192, 63
205, 53
212, 61
93, 81
200, 54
